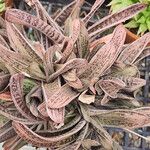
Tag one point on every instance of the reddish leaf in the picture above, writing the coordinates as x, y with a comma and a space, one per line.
116, 18
27, 134
16, 85
18, 16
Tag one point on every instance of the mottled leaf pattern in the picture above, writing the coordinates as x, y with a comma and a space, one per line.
57, 115
79, 64
64, 14
145, 53
17, 16
28, 135
123, 118
130, 54
116, 18
94, 8
106, 56
61, 82
63, 96
16, 82
22, 45
111, 87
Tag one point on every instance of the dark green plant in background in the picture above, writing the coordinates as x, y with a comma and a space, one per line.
141, 21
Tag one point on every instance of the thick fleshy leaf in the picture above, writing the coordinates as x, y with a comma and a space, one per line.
131, 53
20, 17
145, 53
33, 98
132, 83
78, 142
116, 18
94, 8
63, 96
17, 63
22, 45
83, 41
68, 126
15, 116
64, 14
85, 98
112, 87
123, 119
71, 75
73, 21
105, 139
49, 58
75, 30
122, 69
76, 10
106, 55
28, 135
77, 84
67, 50
57, 115
72, 79
77, 63
16, 84
45, 14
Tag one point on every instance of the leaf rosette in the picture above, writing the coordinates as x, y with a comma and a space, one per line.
54, 86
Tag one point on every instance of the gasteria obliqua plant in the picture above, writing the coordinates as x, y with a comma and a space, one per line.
65, 85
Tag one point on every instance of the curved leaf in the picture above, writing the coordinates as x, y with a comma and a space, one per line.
64, 14
79, 64
130, 53
106, 55
63, 96
22, 44
20, 17
27, 134
16, 84
116, 18
94, 8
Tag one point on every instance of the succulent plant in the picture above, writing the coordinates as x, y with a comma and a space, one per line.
140, 21
59, 90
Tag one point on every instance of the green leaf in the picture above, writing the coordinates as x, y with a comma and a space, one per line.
141, 20
2, 7
28, 84
116, 8
142, 28
132, 24
148, 23
146, 13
